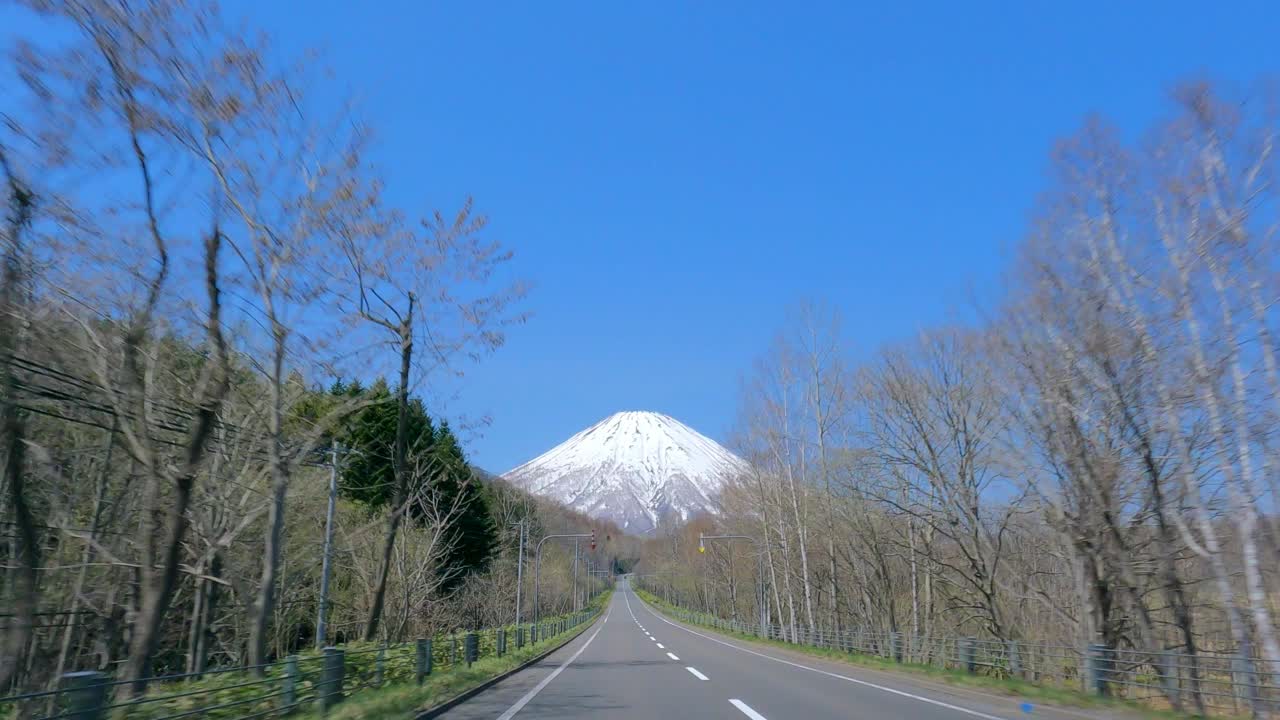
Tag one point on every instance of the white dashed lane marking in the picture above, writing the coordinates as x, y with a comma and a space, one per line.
746, 709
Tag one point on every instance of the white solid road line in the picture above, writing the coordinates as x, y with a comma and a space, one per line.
511, 711
746, 709
900, 693
672, 656
631, 612
697, 674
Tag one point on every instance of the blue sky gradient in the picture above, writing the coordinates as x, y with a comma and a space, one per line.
674, 176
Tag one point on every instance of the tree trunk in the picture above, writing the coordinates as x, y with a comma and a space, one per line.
156, 584
156, 588
203, 607
915, 575
264, 603
12, 433
801, 537
401, 470
28, 553
73, 619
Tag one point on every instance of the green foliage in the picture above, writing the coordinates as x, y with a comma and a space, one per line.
439, 474
368, 473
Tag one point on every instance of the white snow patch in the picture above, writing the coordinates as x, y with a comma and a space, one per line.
633, 468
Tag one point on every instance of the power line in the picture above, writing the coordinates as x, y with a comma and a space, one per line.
233, 431
175, 412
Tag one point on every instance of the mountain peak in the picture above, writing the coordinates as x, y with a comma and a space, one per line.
635, 468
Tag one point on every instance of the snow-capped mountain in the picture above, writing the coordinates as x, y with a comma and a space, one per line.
634, 468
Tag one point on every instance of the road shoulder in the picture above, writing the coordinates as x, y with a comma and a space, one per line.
492, 701
905, 682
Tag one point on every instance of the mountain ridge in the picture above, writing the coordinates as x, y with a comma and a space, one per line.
636, 468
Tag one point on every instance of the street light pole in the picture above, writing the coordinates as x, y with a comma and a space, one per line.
760, 596
537, 568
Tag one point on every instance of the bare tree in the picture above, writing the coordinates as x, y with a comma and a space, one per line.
933, 420
287, 189
126, 60
14, 278
434, 287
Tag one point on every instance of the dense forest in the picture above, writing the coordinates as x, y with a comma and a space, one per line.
1092, 460
208, 309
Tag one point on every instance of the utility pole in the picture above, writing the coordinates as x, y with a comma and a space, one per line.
519, 566
327, 563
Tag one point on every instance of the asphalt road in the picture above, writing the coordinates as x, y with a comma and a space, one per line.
636, 663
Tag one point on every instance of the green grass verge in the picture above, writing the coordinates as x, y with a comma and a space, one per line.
408, 699
1009, 687
233, 695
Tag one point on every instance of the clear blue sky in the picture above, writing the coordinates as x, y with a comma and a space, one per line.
673, 175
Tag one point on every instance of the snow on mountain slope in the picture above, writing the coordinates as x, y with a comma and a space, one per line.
634, 468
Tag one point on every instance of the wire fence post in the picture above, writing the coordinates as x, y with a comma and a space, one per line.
380, 666
453, 651
331, 676
423, 668
895, 646
519, 637
502, 642
289, 693
471, 648
87, 692
1245, 681
1098, 659
968, 654
1015, 659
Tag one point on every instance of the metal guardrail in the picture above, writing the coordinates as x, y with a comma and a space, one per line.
1202, 684
300, 682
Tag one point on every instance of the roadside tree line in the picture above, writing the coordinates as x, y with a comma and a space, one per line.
195, 243
1094, 461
